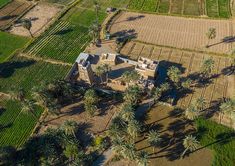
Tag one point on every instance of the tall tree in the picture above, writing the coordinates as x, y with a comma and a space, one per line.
71, 152
207, 67
174, 74
130, 77
190, 144
211, 34
132, 94
27, 24
200, 103
70, 127
228, 107
133, 129
153, 139
28, 107
191, 112
90, 101
142, 158
99, 71
127, 112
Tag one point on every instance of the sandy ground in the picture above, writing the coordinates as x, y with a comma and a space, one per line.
41, 15
176, 31
172, 128
75, 112
221, 85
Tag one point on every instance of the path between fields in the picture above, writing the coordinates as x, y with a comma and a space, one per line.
45, 60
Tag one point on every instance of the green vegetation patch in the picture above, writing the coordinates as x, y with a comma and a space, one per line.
105, 3
15, 125
191, 7
150, 5
220, 139
9, 44
24, 73
4, 2
164, 6
177, 6
136, 4
63, 2
224, 11
212, 8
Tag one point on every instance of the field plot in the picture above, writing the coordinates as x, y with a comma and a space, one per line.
220, 86
4, 2
67, 38
15, 125
214, 8
105, 3
41, 15
12, 11
177, 32
62, 2
24, 73
9, 44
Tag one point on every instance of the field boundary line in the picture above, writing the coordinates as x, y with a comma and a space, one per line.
183, 49
52, 61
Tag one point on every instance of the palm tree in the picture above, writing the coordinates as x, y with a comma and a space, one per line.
200, 103
211, 34
228, 107
156, 93
142, 158
207, 67
117, 128
94, 32
130, 76
191, 112
129, 151
174, 74
127, 112
132, 95
28, 107
71, 151
165, 87
27, 24
133, 129
70, 127
90, 102
187, 83
190, 143
106, 68
99, 71
153, 138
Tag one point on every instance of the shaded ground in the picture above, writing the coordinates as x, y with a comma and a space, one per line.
76, 112
177, 32
172, 127
41, 15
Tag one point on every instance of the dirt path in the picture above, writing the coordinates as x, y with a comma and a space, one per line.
45, 60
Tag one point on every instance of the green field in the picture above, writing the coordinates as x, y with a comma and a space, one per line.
218, 138
105, 3
67, 38
214, 8
15, 125
63, 2
4, 2
24, 73
9, 44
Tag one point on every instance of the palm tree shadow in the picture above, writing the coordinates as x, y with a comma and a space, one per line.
8, 68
